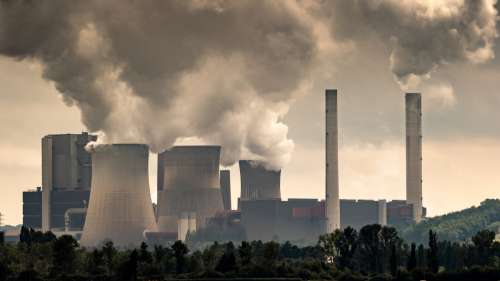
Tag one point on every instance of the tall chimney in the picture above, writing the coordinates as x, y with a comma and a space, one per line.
332, 166
414, 153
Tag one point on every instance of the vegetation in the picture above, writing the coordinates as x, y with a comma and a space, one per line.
373, 253
457, 226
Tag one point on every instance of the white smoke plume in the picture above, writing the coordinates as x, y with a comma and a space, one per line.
225, 72
156, 71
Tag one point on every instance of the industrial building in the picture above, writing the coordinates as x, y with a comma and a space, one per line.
120, 207
66, 177
258, 183
358, 213
225, 189
297, 220
32, 208
190, 184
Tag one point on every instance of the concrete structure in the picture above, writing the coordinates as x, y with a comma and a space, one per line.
182, 226
358, 213
66, 167
190, 183
414, 153
225, 189
32, 208
74, 219
120, 206
332, 166
257, 183
296, 220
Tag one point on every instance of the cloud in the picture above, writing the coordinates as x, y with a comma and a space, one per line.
421, 35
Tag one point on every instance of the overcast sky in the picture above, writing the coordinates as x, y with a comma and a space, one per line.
199, 73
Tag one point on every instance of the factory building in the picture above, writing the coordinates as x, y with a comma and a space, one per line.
225, 188
414, 153
120, 207
297, 220
358, 213
258, 183
191, 183
332, 165
66, 177
32, 208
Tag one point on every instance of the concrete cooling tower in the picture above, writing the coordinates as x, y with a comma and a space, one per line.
257, 182
190, 184
120, 207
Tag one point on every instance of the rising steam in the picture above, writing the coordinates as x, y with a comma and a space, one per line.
225, 72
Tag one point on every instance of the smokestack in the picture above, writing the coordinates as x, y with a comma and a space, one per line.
414, 153
332, 166
120, 207
191, 183
225, 188
257, 182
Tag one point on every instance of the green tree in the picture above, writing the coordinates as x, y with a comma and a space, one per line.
128, 270
393, 260
370, 248
109, 252
483, 242
271, 252
95, 263
64, 255
412, 260
433, 260
228, 260
245, 253
421, 258
180, 250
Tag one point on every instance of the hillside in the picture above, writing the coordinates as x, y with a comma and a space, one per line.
457, 226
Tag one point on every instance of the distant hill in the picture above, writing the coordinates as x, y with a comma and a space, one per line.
457, 226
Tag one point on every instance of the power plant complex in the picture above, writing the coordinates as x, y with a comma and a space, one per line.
102, 193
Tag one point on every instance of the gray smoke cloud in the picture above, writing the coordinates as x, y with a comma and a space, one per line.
160, 71
223, 72
421, 35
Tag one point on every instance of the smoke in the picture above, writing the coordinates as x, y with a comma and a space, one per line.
421, 35
223, 72
157, 71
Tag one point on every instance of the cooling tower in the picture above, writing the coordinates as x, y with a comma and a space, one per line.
120, 207
225, 188
414, 153
190, 184
257, 182
332, 166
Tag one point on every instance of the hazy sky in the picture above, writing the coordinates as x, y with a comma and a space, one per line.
252, 77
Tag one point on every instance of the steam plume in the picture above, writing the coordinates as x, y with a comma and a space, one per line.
156, 71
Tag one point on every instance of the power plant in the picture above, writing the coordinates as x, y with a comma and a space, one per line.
190, 183
105, 194
120, 207
257, 182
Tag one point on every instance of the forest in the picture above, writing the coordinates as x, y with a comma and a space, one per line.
374, 252
456, 226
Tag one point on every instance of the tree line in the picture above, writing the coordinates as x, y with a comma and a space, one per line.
373, 253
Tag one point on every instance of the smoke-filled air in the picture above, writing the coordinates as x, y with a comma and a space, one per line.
224, 72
